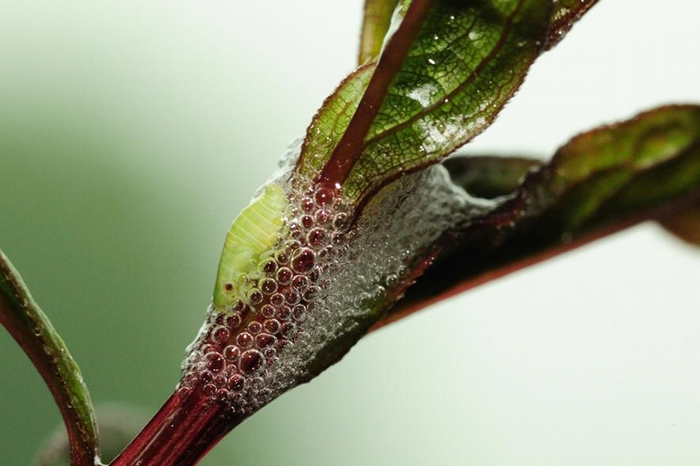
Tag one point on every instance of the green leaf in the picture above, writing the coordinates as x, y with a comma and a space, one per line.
465, 62
376, 20
600, 182
565, 14
33, 331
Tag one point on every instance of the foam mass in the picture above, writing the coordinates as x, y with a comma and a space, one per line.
302, 277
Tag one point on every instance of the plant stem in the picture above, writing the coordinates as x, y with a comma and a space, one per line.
33, 331
181, 433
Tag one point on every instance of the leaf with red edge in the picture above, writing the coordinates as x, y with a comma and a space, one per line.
33, 331
464, 61
564, 16
600, 182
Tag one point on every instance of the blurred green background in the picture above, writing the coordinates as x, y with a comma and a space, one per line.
131, 133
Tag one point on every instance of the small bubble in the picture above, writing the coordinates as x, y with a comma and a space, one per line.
325, 252
311, 293
236, 383
291, 296
282, 258
230, 369
359, 300
300, 283
303, 260
233, 321
239, 306
206, 376
264, 340
340, 221
215, 362
324, 196
294, 226
270, 266
322, 217
268, 310
184, 392
283, 344
222, 394
277, 299
251, 361
299, 312
267, 285
255, 327
307, 204
256, 383
236, 399
284, 276
220, 334
189, 379
338, 237
244, 340
314, 274
316, 237
291, 246
270, 353
307, 221
209, 349
285, 313
219, 380
272, 326
255, 296
209, 389
232, 352
289, 330
391, 280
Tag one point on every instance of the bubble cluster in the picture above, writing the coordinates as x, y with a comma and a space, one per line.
326, 271
240, 345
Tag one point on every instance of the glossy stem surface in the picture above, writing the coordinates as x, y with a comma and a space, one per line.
181, 433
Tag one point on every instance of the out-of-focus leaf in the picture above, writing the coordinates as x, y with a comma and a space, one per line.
375, 24
564, 16
685, 224
119, 423
600, 182
33, 331
464, 64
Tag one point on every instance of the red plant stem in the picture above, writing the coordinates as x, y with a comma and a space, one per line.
181, 433
349, 148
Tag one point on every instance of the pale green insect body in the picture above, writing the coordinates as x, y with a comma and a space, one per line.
251, 239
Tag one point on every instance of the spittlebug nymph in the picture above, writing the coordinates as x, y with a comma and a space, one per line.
250, 239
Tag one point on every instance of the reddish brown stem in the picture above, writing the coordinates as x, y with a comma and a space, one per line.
349, 148
181, 433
